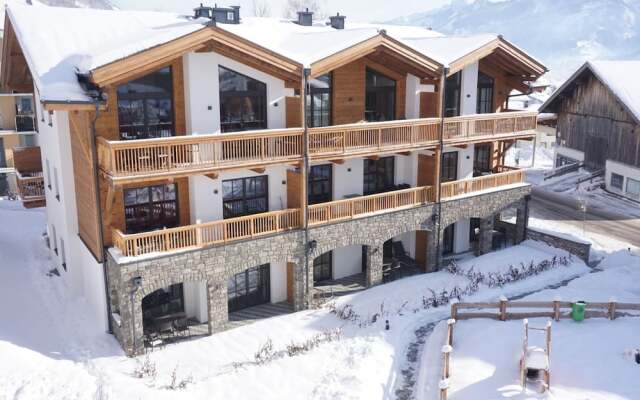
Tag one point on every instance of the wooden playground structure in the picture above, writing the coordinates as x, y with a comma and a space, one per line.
534, 361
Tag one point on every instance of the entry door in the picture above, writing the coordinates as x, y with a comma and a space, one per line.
323, 267
482, 159
380, 100
595, 155
249, 288
447, 239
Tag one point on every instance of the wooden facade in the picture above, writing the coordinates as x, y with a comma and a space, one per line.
591, 119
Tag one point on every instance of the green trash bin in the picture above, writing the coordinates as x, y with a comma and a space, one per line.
577, 310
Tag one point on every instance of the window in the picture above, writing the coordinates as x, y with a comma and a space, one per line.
244, 196
243, 102
48, 174
481, 159
322, 267
319, 101
380, 100
633, 188
63, 255
379, 175
320, 184
24, 115
145, 106
249, 288
230, 16
485, 94
447, 239
163, 301
54, 239
617, 181
151, 207
452, 95
55, 181
449, 166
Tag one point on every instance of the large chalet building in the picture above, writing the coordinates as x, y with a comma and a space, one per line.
598, 110
201, 166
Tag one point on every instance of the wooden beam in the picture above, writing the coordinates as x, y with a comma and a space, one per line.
404, 153
259, 170
337, 162
213, 175
374, 157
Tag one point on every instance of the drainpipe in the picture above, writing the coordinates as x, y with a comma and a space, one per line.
94, 154
305, 166
443, 84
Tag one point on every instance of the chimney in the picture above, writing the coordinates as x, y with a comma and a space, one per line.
202, 12
337, 21
226, 15
305, 18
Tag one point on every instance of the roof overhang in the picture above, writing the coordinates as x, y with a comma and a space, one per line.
381, 45
503, 55
14, 70
209, 38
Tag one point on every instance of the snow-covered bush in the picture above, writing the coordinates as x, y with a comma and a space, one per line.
145, 369
265, 353
179, 383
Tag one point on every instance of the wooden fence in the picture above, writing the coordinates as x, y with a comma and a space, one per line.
210, 233
488, 125
364, 205
31, 186
465, 186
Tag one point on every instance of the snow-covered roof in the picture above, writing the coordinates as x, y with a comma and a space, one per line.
619, 76
622, 78
59, 42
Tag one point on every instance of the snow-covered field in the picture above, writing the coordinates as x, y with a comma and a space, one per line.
53, 354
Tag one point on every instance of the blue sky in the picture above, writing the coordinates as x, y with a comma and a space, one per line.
355, 10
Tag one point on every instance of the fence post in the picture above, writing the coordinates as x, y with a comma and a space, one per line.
198, 233
612, 308
454, 311
450, 323
556, 308
503, 308
444, 386
446, 351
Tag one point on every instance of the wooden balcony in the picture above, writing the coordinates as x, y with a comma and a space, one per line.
31, 189
373, 138
207, 234
363, 206
480, 127
131, 160
466, 186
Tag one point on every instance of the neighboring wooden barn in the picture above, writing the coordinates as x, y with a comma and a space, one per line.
598, 112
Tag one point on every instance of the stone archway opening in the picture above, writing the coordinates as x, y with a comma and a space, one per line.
340, 271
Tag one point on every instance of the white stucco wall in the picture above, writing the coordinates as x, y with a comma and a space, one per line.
347, 261
202, 92
412, 105
469, 92
348, 178
626, 171
278, 282
195, 300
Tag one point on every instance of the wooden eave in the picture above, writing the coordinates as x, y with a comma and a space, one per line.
14, 70
504, 55
422, 66
205, 39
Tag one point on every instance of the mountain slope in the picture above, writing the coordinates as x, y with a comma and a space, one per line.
562, 34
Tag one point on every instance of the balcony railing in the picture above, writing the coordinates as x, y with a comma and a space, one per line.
31, 186
207, 234
460, 129
341, 210
371, 138
466, 186
205, 153
200, 154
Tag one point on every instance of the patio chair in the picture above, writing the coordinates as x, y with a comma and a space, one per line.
181, 327
165, 328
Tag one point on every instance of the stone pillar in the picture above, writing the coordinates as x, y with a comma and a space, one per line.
522, 219
433, 257
374, 265
218, 306
302, 284
485, 239
130, 333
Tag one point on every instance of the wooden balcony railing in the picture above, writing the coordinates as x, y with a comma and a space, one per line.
361, 206
210, 233
198, 153
371, 138
488, 125
456, 188
31, 186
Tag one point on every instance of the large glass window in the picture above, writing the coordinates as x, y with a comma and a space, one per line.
452, 95
380, 101
243, 102
616, 181
165, 301
145, 106
320, 184
244, 196
449, 166
249, 288
633, 188
481, 159
322, 267
485, 94
150, 207
319, 101
379, 175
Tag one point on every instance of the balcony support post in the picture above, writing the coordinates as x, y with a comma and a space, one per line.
485, 240
308, 277
217, 305
373, 263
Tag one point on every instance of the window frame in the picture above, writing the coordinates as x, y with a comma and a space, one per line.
316, 197
481, 164
311, 109
386, 90
446, 176
453, 90
145, 224
244, 199
379, 175
485, 106
616, 176
634, 182
225, 97
144, 98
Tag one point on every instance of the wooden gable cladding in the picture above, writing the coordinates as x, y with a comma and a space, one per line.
210, 37
84, 180
381, 44
349, 89
293, 111
14, 70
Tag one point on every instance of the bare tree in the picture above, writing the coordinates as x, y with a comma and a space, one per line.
261, 8
292, 7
